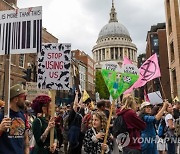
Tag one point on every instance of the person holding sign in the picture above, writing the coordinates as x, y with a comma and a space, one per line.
93, 140
42, 125
13, 130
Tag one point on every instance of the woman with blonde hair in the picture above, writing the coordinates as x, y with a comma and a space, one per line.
94, 137
133, 123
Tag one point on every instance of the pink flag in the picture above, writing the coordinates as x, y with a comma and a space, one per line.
126, 61
148, 71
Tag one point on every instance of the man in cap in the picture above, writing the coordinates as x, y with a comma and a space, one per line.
13, 131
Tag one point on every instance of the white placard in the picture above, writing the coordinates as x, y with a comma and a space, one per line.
155, 98
111, 65
130, 68
33, 91
54, 63
20, 30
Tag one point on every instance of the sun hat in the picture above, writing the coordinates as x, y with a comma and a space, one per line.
144, 104
16, 90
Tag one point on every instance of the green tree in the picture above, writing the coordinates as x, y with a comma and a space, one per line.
100, 86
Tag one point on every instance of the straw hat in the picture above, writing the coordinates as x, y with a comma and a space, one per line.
144, 104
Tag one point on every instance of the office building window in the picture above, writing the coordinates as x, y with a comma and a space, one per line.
21, 60
172, 51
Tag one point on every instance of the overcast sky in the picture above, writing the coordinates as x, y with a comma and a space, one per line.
79, 21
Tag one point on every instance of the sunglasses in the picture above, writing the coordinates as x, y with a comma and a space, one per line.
22, 96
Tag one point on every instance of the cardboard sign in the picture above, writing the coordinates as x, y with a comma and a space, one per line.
21, 31
54, 63
155, 98
118, 80
33, 91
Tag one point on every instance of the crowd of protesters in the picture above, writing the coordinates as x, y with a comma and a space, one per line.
81, 126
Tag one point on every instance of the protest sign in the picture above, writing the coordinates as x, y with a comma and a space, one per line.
54, 62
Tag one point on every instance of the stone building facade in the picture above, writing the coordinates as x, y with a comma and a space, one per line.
19, 62
173, 43
89, 63
113, 43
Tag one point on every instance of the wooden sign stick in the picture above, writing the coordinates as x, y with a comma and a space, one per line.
108, 124
7, 84
52, 95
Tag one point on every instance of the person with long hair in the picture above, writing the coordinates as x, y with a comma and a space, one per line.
94, 137
42, 125
134, 124
148, 135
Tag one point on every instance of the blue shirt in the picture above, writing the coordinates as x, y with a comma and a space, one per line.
150, 128
148, 135
12, 142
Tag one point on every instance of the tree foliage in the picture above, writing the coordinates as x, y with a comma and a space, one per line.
101, 87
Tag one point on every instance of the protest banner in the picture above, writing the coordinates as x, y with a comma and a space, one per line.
54, 62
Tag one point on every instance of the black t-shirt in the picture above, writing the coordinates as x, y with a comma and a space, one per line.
176, 114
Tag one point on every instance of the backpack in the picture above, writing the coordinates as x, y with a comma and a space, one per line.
119, 126
177, 127
162, 128
85, 123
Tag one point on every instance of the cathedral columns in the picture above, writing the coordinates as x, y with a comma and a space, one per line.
101, 54
114, 53
119, 53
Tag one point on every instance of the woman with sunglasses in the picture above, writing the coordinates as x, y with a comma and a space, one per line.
148, 136
42, 125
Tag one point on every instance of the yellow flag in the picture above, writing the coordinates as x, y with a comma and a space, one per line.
176, 99
92, 105
85, 96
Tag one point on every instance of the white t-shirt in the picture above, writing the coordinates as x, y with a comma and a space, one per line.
168, 117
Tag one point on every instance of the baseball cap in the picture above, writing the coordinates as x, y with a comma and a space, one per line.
144, 104
16, 90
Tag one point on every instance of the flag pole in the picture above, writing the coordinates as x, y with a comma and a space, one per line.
162, 89
108, 125
7, 85
52, 94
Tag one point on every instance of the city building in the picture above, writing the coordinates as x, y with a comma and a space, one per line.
173, 43
20, 62
82, 74
89, 63
156, 42
139, 93
113, 43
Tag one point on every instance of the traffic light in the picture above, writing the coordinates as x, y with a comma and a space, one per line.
27, 75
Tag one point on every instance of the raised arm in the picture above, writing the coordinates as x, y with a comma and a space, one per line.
161, 112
